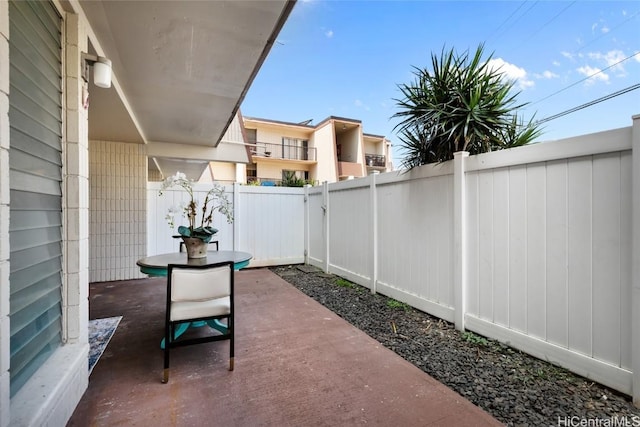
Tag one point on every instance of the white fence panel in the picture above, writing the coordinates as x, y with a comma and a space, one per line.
416, 226
545, 258
350, 231
159, 233
549, 256
268, 222
271, 224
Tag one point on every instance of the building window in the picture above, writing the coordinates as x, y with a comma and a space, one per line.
295, 149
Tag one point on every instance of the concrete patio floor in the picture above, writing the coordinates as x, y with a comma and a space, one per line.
296, 364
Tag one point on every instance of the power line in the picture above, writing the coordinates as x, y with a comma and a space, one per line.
552, 19
608, 32
507, 19
520, 17
586, 78
590, 103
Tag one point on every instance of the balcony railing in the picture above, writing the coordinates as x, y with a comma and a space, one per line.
375, 160
284, 152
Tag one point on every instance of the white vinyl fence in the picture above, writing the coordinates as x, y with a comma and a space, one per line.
537, 247
268, 222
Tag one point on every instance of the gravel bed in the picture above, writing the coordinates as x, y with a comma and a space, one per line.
517, 389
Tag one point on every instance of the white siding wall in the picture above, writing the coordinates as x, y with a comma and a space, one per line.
234, 131
5, 343
62, 379
118, 211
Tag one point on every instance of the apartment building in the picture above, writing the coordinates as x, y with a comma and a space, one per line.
335, 149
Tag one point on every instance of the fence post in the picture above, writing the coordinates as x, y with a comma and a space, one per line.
236, 210
306, 224
635, 260
373, 247
325, 209
459, 239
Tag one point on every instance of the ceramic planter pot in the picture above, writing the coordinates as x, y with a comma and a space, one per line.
196, 248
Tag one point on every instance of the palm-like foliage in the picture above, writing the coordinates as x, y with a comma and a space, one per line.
461, 105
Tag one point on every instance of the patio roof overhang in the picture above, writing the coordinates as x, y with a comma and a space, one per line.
180, 71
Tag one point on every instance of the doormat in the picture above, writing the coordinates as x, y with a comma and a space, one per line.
100, 333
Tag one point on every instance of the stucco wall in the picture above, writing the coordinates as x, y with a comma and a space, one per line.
222, 171
324, 142
118, 209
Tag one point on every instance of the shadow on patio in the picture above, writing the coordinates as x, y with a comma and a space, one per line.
296, 364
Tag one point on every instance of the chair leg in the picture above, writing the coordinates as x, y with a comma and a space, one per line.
167, 345
230, 325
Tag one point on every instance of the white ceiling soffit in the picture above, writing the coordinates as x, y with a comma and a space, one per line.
183, 66
193, 169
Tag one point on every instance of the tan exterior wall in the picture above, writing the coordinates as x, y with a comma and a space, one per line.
326, 169
222, 171
350, 141
371, 147
273, 170
118, 210
274, 136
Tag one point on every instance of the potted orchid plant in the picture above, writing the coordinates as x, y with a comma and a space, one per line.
215, 200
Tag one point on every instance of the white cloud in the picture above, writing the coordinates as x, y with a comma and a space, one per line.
556, 63
547, 75
329, 34
567, 55
596, 74
611, 59
605, 30
512, 72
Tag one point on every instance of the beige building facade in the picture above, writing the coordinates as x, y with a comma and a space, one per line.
333, 150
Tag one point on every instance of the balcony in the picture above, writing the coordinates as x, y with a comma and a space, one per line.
284, 152
349, 169
375, 160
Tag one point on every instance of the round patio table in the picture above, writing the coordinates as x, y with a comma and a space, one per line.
157, 266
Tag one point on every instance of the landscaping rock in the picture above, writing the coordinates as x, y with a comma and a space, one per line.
517, 389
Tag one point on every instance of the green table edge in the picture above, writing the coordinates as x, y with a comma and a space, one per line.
162, 271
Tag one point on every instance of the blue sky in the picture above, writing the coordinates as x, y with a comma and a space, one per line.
346, 58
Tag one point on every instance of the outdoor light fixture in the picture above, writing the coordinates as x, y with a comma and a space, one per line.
101, 70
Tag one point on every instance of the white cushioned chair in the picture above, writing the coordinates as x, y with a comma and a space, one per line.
199, 293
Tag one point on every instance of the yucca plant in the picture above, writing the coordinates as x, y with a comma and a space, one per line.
462, 104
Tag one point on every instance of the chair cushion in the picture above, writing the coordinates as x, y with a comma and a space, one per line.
200, 285
182, 310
